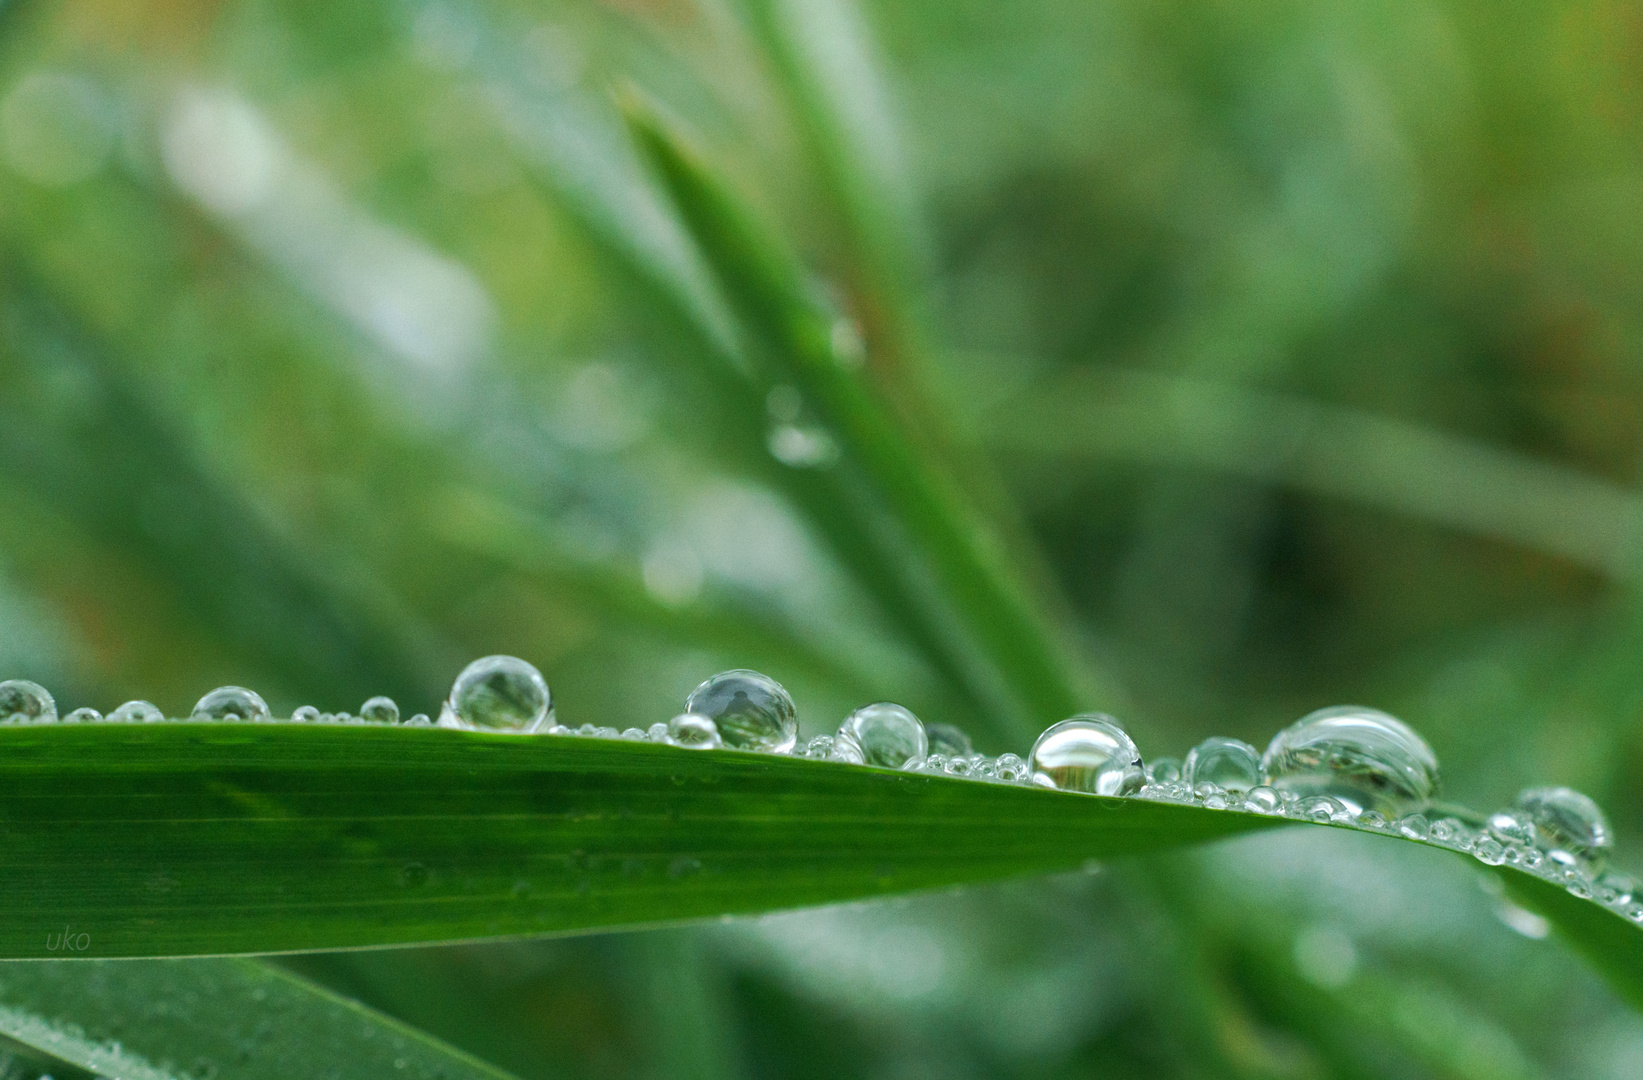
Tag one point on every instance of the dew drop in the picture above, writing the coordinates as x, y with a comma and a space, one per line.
1263, 800
1510, 827
1230, 764
25, 702
752, 711
380, 710
1011, 769
137, 712
1361, 756
1613, 888
231, 703
1089, 753
83, 715
1414, 826
658, 732
305, 714
1568, 822
949, 740
1320, 808
419, 720
1489, 851
693, 732
890, 736
1165, 770
498, 693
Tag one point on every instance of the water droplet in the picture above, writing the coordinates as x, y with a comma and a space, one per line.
693, 732
24, 702
634, 734
819, 747
949, 740
137, 712
1568, 822
231, 703
1510, 827
1414, 826
1263, 800
890, 736
848, 750
498, 693
1011, 769
1489, 851
83, 715
1165, 770
1230, 764
380, 710
752, 711
1089, 753
419, 720
1320, 808
1360, 756
658, 732
305, 714
1614, 889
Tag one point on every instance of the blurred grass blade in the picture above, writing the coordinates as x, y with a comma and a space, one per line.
190, 1019
82, 438
1329, 450
188, 839
973, 608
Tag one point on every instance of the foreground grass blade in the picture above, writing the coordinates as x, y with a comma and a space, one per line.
189, 1019
176, 839
189, 839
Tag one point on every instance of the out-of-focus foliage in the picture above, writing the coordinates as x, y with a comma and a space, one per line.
1292, 351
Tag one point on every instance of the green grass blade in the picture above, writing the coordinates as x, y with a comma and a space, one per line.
975, 610
193, 839
187, 1019
1329, 450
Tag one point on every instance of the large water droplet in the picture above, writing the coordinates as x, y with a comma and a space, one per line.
1361, 756
1230, 764
379, 710
752, 711
498, 693
24, 702
693, 732
1089, 753
231, 703
890, 736
137, 712
1568, 822
949, 740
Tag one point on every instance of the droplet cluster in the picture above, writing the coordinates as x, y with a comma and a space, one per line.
1347, 765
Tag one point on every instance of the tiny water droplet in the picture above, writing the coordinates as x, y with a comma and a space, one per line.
83, 715
1414, 826
498, 693
25, 702
380, 710
1263, 800
658, 732
1613, 888
634, 734
752, 711
890, 736
949, 740
1230, 764
1568, 822
693, 732
231, 703
1510, 827
305, 714
847, 750
419, 720
1489, 851
137, 712
1011, 769
1089, 753
1360, 756
1164, 770
1319, 808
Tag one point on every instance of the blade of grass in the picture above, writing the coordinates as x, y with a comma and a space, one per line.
192, 1019
972, 606
83, 438
188, 839
1329, 450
